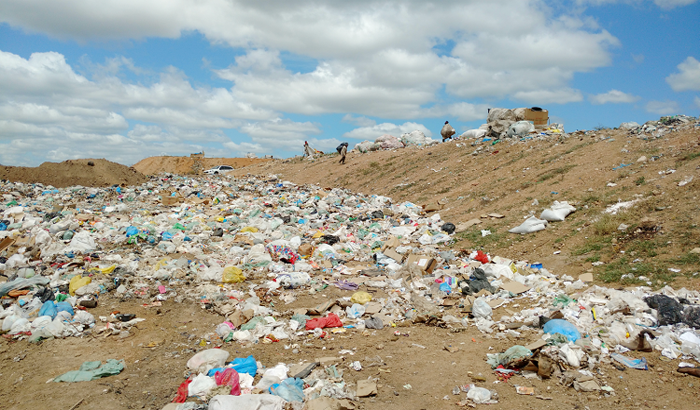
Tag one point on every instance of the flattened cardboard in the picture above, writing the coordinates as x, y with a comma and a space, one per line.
6, 243
586, 277
466, 225
390, 252
515, 287
536, 344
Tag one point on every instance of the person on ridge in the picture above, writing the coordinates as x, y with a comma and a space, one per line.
447, 131
308, 151
343, 151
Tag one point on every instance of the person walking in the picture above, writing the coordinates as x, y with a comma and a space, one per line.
343, 151
447, 131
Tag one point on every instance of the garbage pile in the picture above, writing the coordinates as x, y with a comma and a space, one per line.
227, 244
386, 141
657, 129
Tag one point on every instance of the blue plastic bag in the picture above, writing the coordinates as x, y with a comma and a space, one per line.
562, 327
167, 236
64, 307
48, 309
245, 365
291, 389
131, 231
445, 287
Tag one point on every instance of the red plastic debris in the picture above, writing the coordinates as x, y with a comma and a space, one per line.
332, 320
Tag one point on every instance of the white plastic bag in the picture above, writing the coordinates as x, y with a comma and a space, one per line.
479, 395
481, 309
531, 224
207, 359
557, 212
200, 385
247, 402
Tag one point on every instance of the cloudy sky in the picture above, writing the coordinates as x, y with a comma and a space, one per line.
128, 79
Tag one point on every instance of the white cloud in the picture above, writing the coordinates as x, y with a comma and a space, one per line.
376, 59
541, 97
614, 97
697, 101
662, 107
638, 58
670, 4
45, 104
664, 4
359, 121
688, 77
375, 131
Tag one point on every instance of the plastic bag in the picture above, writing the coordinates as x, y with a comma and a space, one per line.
232, 274
21, 283
200, 386
290, 389
515, 357
246, 365
207, 359
531, 224
332, 320
557, 212
247, 401
48, 309
229, 377
78, 282
481, 309
479, 395
374, 323
361, 297
562, 327
355, 311
520, 129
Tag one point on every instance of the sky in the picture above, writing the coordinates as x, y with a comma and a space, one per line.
129, 79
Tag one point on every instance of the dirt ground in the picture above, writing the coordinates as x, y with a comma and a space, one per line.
189, 165
415, 370
75, 172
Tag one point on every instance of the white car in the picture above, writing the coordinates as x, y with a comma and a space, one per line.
221, 169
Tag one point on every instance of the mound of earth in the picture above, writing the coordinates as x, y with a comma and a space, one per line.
496, 184
75, 172
189, 165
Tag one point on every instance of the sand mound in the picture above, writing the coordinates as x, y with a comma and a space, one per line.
189, 165
75, 172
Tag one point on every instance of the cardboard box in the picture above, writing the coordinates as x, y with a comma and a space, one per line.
538, 118
426, 263
390, 252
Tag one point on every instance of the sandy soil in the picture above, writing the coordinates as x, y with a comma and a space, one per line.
189, 165
75, 172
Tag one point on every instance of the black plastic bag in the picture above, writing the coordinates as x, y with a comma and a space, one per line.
448, 228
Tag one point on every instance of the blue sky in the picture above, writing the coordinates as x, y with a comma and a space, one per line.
127, 79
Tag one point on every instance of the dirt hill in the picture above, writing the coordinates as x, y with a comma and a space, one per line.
189, 165
75, 172
515, 178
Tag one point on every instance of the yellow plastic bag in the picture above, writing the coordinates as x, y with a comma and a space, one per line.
361, 297
249, 229
78, 282
232, 275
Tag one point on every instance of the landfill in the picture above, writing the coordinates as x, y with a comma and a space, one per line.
228, 245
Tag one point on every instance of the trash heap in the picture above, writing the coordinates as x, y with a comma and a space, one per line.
386, 141
651, 130
228, 244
